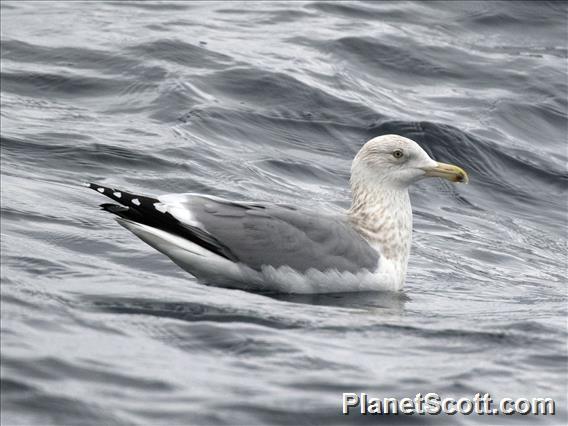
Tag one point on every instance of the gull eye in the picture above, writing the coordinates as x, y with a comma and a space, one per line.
397, 153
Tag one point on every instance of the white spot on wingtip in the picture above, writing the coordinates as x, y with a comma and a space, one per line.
101, 190
161, 207
117, 194
136, 201
88, 185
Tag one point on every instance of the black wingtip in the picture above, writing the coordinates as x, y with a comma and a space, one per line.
143, 210
115, 194
123, 212
132, 206
113, 208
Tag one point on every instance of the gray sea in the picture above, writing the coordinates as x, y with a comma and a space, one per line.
270, 101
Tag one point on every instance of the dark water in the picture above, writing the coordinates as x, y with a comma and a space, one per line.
270, 102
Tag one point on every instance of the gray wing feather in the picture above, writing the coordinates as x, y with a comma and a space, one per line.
272, 235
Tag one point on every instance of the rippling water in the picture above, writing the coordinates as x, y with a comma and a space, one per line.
269, 101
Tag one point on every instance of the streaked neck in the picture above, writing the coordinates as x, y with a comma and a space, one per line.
383, 216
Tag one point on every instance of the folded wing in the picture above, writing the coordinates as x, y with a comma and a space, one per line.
271, 235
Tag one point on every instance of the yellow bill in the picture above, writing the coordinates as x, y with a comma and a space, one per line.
448, 171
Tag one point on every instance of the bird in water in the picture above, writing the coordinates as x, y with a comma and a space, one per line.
280, 248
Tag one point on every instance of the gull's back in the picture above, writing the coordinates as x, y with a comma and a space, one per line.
269, 235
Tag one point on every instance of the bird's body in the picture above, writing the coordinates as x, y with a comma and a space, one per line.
268, 247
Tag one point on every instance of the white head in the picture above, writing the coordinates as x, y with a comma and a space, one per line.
396, 162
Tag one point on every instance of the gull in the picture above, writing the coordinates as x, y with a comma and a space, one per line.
290, 249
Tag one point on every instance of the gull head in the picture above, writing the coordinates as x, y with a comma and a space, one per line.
393, 161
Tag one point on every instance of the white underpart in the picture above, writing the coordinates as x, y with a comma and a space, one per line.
190, 256
216, 270
392, 272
